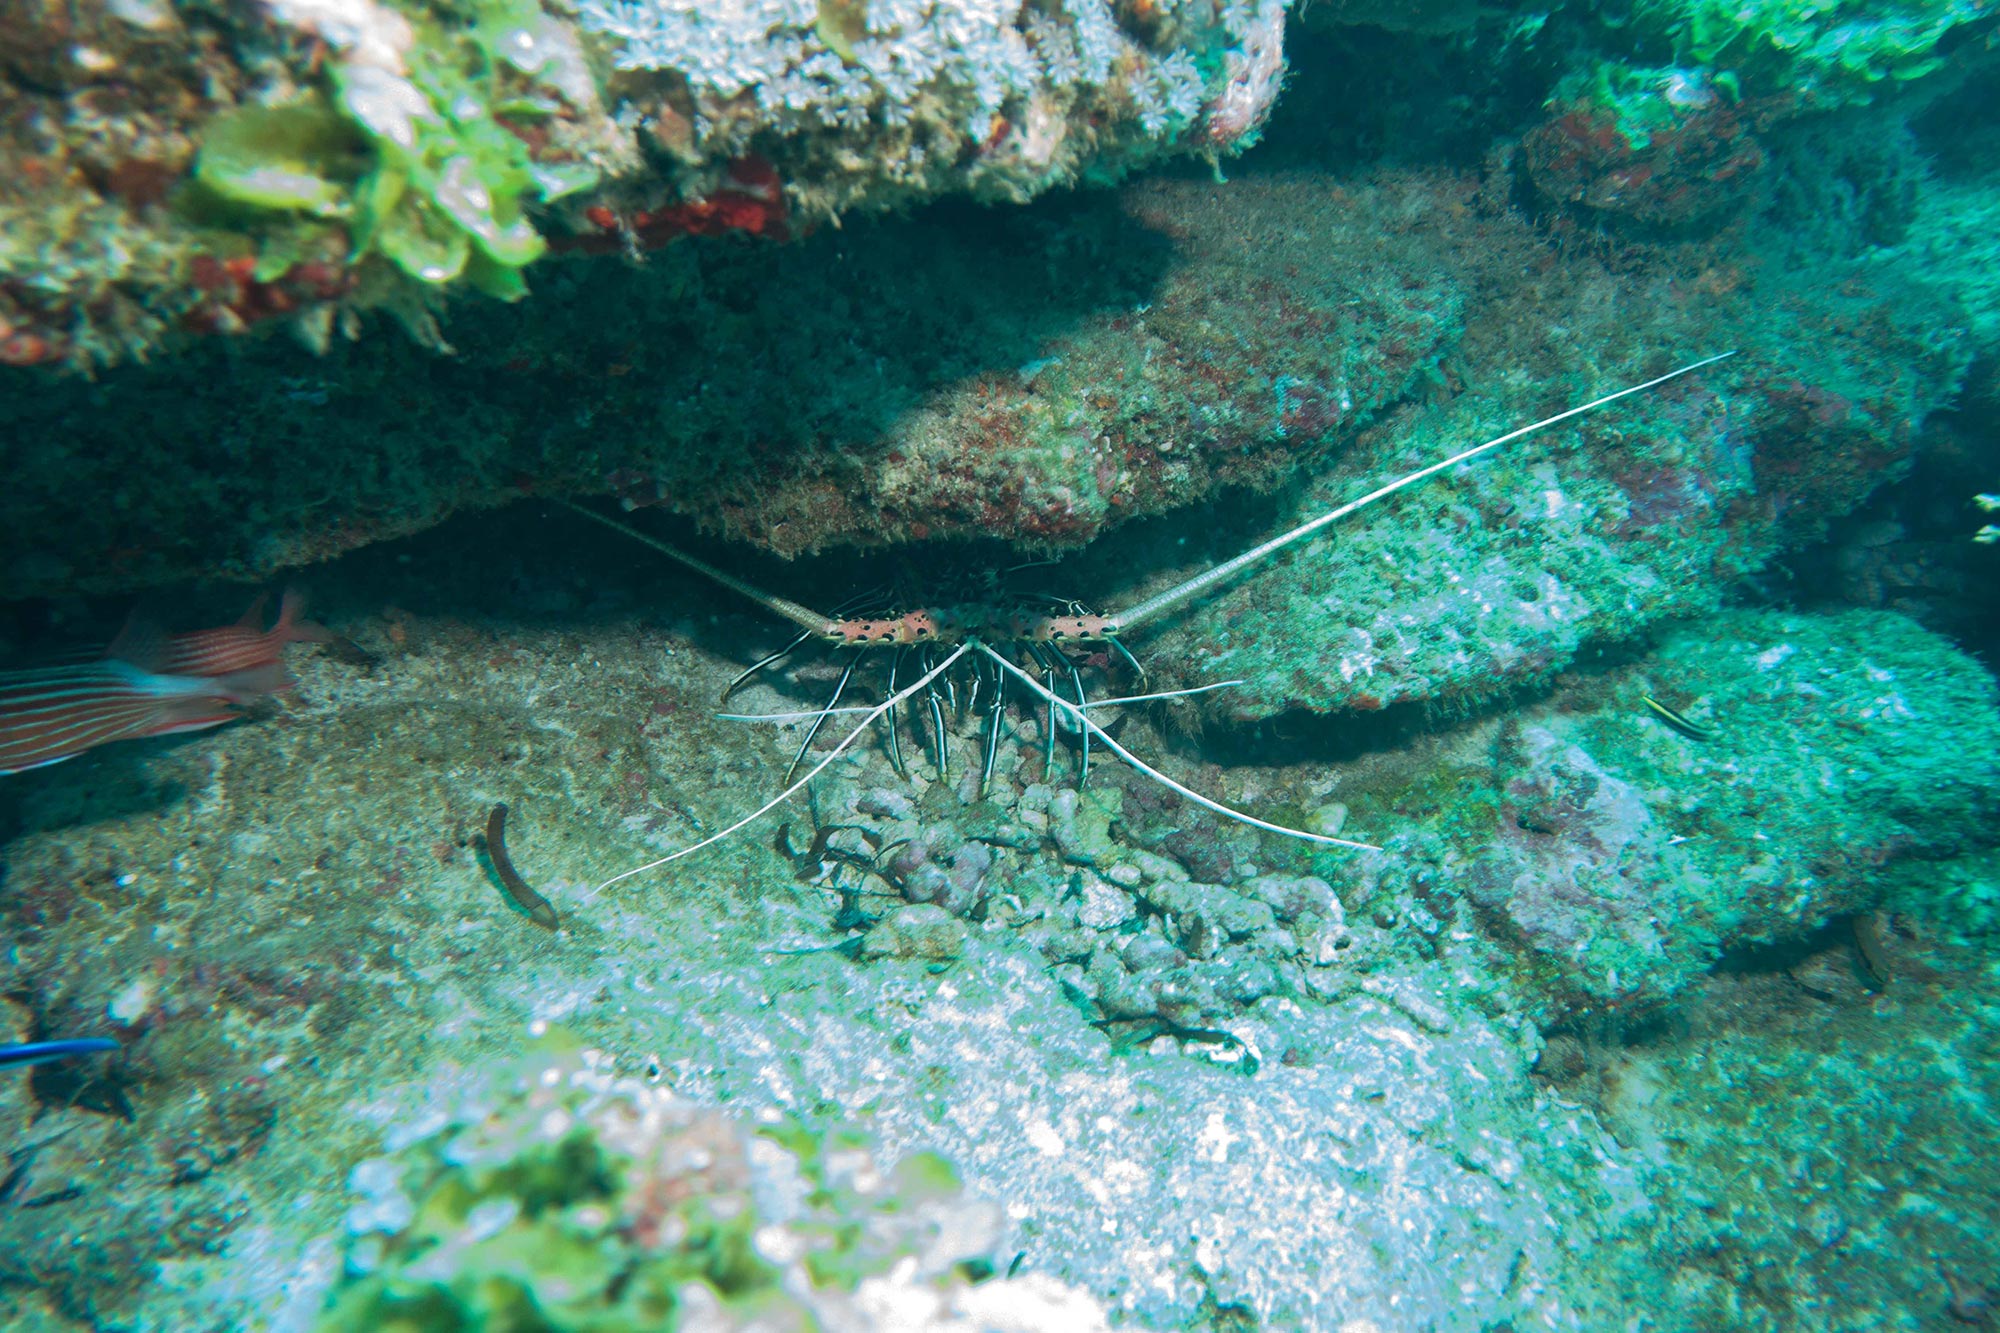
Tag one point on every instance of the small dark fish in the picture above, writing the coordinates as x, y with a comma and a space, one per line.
1694, 731
1886, 951
40, 1052
1969, 1303
1871, 938
539, 909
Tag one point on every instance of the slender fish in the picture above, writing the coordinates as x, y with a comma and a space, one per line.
1694, 731
539, 909
16, 1054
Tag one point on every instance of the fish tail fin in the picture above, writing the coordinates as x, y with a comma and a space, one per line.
290, 628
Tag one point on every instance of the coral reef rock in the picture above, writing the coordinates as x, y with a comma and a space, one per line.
167, 170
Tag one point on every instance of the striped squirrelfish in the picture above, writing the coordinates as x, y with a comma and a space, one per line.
244, 646
146, 684
48, 714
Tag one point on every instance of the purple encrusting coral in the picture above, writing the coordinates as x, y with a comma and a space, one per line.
943, 868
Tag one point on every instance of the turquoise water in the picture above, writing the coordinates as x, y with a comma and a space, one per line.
792, 462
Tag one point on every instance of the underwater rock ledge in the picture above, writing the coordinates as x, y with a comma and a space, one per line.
177, 170
1045, 376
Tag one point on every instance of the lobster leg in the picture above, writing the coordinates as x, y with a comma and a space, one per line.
995, 715
940, 743
772, 660
895, 741
1083, 733
820, 721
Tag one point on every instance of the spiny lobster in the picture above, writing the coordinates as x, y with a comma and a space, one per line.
943, 636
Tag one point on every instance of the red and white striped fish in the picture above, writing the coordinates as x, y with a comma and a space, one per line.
244, 646
146, 684
48, 714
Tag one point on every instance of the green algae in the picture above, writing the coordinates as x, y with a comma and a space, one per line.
428, 171
286, 158
1824, 54
477, 117
1770, 59
448, 193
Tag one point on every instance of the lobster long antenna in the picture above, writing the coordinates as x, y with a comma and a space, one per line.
1179, 593
813, 622
800, 785
1076, 714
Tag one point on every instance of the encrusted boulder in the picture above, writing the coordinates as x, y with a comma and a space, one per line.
170, 169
